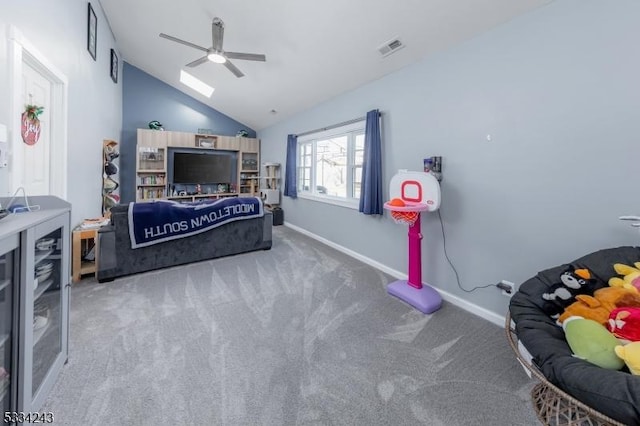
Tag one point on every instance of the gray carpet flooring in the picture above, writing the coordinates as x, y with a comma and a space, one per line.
298, 335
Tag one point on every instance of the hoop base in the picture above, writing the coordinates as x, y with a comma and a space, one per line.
426, 299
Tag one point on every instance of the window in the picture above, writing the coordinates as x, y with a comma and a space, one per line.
330, 165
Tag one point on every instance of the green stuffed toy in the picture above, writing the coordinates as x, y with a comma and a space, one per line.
592, 342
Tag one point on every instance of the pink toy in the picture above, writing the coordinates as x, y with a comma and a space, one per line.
420, 192
624, 323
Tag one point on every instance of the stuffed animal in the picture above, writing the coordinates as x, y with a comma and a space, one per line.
563, 294
588, 307
592, 342
624, 323
631, 278
599, 306
630, 354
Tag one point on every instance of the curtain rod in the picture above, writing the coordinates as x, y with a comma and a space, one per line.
333, 126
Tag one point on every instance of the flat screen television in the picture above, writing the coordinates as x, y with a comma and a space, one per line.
203, 167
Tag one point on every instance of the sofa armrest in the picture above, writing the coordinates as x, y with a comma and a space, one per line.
106, 228
267, 228
107, 260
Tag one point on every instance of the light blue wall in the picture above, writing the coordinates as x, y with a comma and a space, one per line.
58, 30
145, 99
558, 91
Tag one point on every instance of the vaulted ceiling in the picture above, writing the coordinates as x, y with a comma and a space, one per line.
315, 50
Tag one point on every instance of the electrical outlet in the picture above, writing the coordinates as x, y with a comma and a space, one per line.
507, 287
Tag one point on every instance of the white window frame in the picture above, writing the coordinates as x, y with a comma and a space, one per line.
349, 130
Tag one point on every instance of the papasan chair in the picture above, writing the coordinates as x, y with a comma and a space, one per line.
571, 391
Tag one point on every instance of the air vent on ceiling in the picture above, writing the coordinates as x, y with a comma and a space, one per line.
390, 46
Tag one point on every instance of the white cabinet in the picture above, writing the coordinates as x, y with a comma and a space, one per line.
40, 279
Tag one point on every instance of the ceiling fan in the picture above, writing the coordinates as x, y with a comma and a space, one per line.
215, 53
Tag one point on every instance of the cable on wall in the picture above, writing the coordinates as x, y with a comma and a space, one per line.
444, 245
21, 208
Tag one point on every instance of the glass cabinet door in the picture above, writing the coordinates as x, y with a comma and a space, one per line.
8, 322
47, 305
249, 162
44, 317
150, 159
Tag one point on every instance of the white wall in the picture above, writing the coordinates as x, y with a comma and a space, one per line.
58, 29
558, 90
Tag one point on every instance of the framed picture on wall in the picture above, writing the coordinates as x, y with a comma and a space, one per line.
114, 66
92, 32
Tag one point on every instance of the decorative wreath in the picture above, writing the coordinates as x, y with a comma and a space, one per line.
30, 127
33, 112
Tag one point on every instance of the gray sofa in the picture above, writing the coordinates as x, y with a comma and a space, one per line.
116, 258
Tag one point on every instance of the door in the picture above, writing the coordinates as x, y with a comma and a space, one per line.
42, 167
36, 159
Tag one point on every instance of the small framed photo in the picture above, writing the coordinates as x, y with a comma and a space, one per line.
92, 32
114, 66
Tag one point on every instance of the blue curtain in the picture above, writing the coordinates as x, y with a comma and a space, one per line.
290, 189
371, 191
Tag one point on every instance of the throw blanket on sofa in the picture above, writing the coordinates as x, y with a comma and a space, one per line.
164, 220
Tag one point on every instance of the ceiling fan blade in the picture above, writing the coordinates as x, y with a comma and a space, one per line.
246, 56
186, 43
198, 62
233, 69
217, 33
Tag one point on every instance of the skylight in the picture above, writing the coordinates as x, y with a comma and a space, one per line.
196, 84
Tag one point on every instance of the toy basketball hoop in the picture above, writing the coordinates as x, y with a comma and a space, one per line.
404, 218
407, 214
413, 193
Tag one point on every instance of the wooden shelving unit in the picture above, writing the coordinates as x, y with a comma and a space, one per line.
270, 184
153, 150
151, 164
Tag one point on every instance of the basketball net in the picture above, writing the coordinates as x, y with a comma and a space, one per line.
404, 218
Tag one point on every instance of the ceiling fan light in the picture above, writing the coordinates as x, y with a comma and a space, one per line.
217, 58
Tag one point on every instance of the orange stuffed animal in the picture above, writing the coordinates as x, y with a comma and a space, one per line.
599, 306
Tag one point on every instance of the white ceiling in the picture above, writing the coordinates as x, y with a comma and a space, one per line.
315, 49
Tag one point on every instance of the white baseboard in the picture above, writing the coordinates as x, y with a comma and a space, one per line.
456, 300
